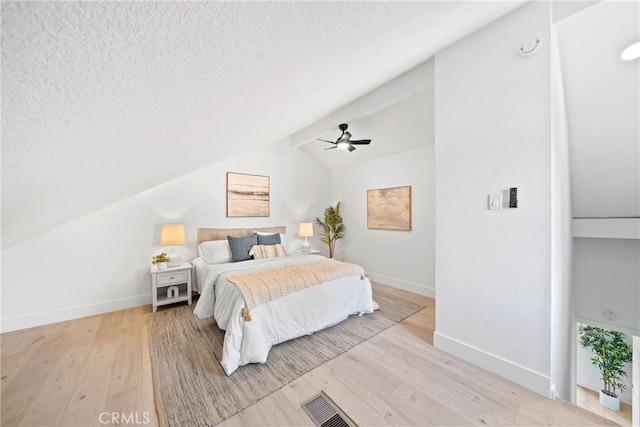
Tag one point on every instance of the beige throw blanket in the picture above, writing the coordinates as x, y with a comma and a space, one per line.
263, 286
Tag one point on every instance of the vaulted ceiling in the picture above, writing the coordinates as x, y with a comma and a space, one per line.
603, 109
102, 100
404, 126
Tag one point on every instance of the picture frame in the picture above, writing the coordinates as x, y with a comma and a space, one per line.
248, 195
389, 208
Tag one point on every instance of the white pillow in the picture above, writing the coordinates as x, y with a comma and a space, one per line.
215, 251
267, 251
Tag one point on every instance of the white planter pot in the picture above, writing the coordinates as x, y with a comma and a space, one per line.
161, 265
607, 401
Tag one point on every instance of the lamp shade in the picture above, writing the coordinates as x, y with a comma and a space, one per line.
172, 234
306, 229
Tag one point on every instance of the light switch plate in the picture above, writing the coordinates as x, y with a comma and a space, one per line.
495, 202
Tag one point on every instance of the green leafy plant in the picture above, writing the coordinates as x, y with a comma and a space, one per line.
160, 258
611, 352
332, 226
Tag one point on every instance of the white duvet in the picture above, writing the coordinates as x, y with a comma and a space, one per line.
294, 315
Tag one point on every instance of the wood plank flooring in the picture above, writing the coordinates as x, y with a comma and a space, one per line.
590, 400
71, 372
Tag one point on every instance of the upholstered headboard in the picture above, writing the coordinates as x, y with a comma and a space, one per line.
206, 234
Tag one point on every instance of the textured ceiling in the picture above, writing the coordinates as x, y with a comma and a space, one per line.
102, 100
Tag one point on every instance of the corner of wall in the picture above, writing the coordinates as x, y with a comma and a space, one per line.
521, 375
416, 288
54, 316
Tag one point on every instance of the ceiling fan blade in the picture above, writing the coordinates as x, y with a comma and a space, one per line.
361, 142
330, 142
351, 148
331, 148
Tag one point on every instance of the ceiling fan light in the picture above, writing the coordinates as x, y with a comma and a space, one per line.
631, 52
343, 145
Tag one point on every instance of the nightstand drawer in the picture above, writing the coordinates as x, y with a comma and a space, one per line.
169, 278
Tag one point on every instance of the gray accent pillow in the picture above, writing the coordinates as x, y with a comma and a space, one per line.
240, 247
269, 239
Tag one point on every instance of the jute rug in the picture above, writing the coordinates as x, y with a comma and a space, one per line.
191, 388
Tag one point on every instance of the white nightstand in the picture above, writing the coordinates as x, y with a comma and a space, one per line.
171, 285
310, 252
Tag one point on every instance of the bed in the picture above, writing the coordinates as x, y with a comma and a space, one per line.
249, 335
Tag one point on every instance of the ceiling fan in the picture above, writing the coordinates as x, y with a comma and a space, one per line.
344, 142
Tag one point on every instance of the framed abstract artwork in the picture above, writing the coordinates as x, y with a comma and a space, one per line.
389, 208
247, 195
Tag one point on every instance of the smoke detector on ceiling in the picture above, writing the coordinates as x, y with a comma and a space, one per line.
530, 46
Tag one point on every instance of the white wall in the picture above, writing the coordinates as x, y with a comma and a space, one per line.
403, 259
101, 262
562, 294
606, 273
493, 268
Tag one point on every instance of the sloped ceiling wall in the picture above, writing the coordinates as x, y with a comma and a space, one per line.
102, 100
603, 109
404, 126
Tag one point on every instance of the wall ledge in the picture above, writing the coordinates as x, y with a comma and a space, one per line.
606, 228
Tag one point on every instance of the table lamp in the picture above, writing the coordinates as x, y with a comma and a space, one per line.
172, 235
305, 230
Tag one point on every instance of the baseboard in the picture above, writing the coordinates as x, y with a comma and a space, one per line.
520, 375
54, 316
407, 286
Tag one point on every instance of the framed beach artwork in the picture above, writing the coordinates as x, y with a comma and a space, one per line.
247, 195
389, 208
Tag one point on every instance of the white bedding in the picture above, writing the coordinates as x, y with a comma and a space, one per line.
294, 315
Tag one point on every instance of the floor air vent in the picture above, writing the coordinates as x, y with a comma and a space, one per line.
325, 413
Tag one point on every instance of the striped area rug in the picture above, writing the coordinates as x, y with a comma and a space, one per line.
191, 388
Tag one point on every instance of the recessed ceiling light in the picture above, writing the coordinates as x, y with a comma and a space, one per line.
632, 52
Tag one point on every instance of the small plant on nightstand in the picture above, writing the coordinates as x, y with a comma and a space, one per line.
160, 261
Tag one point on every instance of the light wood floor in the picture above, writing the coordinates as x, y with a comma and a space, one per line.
590, 400
71, 372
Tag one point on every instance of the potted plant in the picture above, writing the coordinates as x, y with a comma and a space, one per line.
611, 352
160, 261
332, 226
